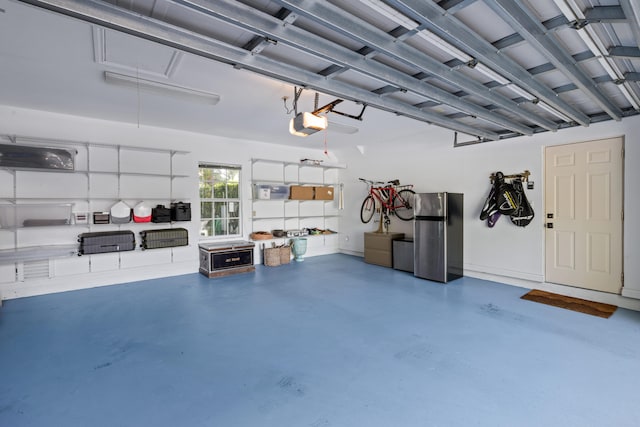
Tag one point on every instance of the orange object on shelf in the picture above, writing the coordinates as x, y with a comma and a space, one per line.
261, 235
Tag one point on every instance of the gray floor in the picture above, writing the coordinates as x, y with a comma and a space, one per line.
331, 341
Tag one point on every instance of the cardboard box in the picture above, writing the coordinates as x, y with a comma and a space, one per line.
299, 192
378, 248
323, 193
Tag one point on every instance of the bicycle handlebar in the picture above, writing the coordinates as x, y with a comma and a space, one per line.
374, 183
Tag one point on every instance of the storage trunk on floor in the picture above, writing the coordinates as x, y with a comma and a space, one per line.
164, 238
106, 241
219, 259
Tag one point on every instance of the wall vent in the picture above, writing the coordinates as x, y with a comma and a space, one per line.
36, 270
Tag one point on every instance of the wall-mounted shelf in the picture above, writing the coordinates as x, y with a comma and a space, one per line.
38, 207
287, 214
8, 256
159, 175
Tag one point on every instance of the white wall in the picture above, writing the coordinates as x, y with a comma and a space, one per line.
504, 253
423, 155
202, 148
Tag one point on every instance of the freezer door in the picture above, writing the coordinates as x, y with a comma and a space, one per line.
429, 251
430, 205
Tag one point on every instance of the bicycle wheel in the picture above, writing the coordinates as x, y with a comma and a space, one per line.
368, 209
403, 204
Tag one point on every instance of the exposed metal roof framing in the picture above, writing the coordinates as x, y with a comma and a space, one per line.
492, 69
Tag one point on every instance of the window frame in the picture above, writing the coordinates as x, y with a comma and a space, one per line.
213, 200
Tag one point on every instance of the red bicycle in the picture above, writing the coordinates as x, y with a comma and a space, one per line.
387, 198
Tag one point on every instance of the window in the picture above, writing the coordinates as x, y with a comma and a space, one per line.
219, 200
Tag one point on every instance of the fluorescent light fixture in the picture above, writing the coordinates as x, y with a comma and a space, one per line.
391, 13
629, 95
600, 51
432, 38
635, 9
462, 56
162, 88
305, 124
444, 45
492, 74
553, 111
573, 12
523, 93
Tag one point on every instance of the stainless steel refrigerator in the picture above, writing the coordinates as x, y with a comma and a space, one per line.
438, 236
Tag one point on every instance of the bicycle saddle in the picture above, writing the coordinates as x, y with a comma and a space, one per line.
395, 182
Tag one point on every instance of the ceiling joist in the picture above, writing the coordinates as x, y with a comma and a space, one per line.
242, 16
135, 24
447, 26
333, 17
521, 18
421, 59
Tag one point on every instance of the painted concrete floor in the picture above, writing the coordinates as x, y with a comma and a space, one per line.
331, 341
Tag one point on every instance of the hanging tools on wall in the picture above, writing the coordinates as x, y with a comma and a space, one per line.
507, 197
524, 176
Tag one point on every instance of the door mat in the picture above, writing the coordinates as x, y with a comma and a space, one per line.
576, 304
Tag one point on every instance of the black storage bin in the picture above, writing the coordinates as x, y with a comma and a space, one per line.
160, 214
403, 254
106, 241
180, 211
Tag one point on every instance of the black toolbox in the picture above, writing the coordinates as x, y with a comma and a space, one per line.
164, 238
180, 211
106, 241
160, 214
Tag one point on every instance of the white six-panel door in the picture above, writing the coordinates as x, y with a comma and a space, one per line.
583, 214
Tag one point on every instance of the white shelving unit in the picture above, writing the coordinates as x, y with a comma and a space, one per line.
38, 208
286, 214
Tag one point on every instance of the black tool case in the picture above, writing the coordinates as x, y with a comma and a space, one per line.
160, 214
164, 238
180, 211
106, 241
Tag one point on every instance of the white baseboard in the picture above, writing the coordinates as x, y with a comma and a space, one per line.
631, 293
354, 253
630, 298
623, 301
513, 274
93, 280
